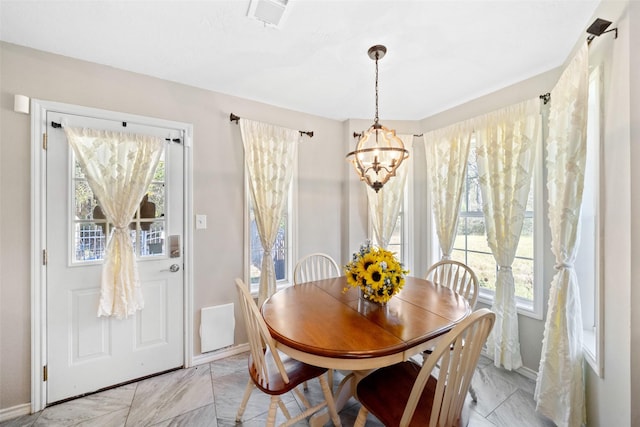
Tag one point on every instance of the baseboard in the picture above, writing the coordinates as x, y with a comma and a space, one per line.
528, 373
523, 370
15, 412
219, 354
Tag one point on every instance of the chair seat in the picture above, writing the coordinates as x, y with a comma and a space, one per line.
297, 371
390, 387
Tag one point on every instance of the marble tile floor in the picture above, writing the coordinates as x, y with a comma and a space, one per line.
209, 395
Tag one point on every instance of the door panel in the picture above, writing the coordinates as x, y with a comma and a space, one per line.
86, 353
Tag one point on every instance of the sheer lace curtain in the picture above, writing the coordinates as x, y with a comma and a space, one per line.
385, 205
506, 142
119, 168
560, 385
447, 150
270, 153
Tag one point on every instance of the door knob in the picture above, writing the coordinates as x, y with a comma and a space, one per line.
173, 268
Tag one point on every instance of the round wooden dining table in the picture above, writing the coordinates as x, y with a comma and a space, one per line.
323, 324
319, 323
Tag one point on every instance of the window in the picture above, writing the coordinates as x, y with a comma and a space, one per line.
396, 242
90, 228
400, 241
281, 250
587, 258
471, 247
284, 248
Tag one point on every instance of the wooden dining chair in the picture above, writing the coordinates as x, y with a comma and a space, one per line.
456, 276
315, 266
460, 278
274, 373
407, 394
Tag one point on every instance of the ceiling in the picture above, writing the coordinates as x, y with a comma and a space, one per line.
440, 53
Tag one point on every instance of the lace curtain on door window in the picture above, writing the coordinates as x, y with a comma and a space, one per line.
119, 168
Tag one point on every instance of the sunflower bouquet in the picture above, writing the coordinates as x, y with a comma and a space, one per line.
377, 273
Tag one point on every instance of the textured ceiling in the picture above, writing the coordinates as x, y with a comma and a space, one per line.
440, 53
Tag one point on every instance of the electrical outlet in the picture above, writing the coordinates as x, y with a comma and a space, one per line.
201, 222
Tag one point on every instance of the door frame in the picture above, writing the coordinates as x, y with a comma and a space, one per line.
39, 109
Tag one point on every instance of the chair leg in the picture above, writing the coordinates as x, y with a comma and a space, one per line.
283, 408
331, 404
362, 417
273, 409
245, 399
472, 392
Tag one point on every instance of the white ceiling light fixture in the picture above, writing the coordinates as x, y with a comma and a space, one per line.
379, 152
270, 12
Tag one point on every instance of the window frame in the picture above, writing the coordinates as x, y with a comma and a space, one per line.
593, 340
136, 220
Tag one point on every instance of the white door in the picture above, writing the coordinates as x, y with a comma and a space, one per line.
86, 353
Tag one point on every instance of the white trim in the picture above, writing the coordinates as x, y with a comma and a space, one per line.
593, 340
407, 213
523, 370
187, 141
527, 373
534, 309
38, 243
201, 359
15, 412
39, 110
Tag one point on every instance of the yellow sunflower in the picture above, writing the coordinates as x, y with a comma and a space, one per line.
374, 276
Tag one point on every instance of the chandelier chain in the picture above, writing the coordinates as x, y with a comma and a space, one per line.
376, 118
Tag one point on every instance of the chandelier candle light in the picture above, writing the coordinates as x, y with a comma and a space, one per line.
379, 152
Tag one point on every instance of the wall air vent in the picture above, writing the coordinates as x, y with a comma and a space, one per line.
270, 12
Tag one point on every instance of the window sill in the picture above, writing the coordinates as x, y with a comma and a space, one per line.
524, 308
279, 286
589, 350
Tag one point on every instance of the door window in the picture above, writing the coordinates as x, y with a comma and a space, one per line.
90, 228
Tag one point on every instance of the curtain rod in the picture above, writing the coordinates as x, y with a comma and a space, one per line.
359, 134
234, 118
56, 125
546, 97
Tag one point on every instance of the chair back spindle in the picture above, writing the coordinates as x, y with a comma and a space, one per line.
316, 266
456, 276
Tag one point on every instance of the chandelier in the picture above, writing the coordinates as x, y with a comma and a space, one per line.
379, 152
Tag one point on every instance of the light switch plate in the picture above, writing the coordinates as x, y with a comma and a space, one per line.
201, 222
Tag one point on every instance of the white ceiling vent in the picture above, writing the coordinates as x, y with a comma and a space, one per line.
271, 12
